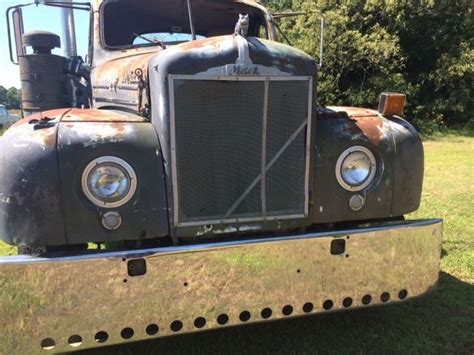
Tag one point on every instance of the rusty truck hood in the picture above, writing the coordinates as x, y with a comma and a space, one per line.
119, 83
78, 115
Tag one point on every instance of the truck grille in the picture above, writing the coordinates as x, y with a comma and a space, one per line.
239, 148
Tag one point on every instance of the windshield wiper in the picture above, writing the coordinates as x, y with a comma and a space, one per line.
154, 40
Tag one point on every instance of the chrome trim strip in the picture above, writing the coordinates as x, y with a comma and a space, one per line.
88, 301
264, 149
309, 145
239, 78
241, 220
21, 259
174, 177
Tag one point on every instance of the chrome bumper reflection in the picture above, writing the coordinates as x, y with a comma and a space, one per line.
61, 304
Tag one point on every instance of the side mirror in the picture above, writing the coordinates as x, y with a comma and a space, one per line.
18, 30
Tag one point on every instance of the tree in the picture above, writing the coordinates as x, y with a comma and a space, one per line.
13, 98
424, 49
3, 95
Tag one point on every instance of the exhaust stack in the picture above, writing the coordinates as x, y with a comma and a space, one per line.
68, 26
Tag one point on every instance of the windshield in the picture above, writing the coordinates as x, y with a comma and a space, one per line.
3, 112
133, 23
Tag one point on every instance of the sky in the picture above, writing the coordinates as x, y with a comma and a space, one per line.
37, 18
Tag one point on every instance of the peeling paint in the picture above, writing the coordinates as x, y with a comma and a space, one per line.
247, 228
96, 133
94, 115
368, 123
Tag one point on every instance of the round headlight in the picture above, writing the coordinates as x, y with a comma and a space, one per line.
109, 182
355, 168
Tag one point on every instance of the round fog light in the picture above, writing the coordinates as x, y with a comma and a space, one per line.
111, 220
356, 202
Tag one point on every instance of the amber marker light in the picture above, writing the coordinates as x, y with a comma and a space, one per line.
391, 103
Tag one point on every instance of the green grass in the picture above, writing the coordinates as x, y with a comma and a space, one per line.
442, 322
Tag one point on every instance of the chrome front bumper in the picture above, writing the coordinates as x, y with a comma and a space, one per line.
66, 303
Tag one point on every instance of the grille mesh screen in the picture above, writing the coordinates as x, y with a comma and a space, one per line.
287, 109
218, 140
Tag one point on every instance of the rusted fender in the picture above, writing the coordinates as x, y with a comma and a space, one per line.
75, 115
30, 200
399, 153
31, 188
94, 115
367, 121
145, 216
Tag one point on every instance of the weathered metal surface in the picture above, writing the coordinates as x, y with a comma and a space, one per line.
136, 80
408, 168
354, 111
211, 55
30, 191
396, 189
200, 287
145, 215
39, 209
55, 114
94, 115
43, 82
367, 121
117, 83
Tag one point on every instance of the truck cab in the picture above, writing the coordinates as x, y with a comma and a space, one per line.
187, 149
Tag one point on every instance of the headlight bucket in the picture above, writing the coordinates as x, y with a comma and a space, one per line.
109, 182
356, 168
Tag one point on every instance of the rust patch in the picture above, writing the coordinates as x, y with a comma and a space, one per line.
354, 111
123, 68
94, 115
208, 42
92, 134
37, 130
372, 127
367, 121
32, 135
54, 114
49, 136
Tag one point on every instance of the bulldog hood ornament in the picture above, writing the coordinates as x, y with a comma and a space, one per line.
242, 26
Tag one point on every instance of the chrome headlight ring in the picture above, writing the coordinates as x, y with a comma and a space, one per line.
365, 171
124, 186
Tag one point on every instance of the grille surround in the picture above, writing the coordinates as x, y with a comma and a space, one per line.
267, 160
